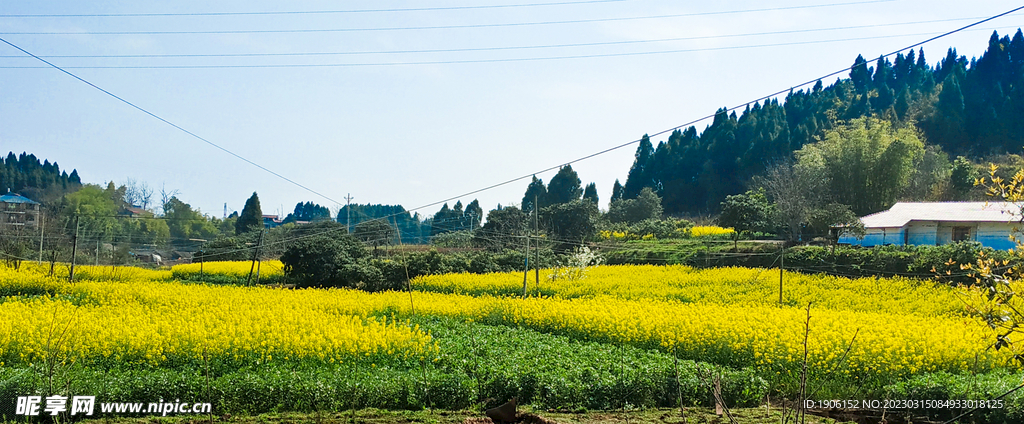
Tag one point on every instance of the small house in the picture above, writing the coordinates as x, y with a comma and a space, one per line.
18, 211
937, 223
272, 221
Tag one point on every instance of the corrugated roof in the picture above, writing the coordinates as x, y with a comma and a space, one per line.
902, 213
16, 198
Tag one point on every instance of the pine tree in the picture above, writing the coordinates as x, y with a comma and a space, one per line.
948, 126
443, 221
1016, 52
860, 74
616, 191
564, 187
590, 193
637, 178
535, 192
474, 214
251, 218
459, 222
883, 82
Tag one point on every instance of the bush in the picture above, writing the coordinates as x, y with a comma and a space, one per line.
326, 261
481, 262
453, 239
646, 206
924, 262
569, 224
892, 260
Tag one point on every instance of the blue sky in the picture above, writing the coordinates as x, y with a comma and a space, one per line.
416, 127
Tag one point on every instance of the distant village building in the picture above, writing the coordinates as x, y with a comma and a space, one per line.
18, 211
272, 221
937, 223
135, 212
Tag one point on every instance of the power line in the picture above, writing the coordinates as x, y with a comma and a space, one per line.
306, 12
762, 98
469, 61
434, 27
506, 182
497, 48
170, 123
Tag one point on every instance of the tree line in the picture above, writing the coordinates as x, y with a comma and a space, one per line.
961, 107
43, 181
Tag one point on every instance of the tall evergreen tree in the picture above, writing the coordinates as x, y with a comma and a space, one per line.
443, 221
536, 192
638, 178
590, 193
860, 74
1016, 53
884, 79
251, 218
948, 126
474, 214
564, 187
616, 191
308, 211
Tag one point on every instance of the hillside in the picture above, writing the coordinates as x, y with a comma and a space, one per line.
963, 107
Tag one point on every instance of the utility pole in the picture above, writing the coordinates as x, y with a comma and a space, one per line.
74, 252
97, 251
41, 229
348, 212
259, 263
782, 265
536, 248
254, 253
526, 264
405, 264
198, 254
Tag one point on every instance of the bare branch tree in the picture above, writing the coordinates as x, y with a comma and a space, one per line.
137, 193
131, 191
145, 195
165, 196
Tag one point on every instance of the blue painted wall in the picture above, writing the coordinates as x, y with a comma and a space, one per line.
876, 237
996, 236
989, 234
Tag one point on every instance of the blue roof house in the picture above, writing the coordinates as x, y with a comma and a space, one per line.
937, 223
18, 211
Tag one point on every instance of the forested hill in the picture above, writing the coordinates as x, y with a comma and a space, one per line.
967, 107
41, 181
